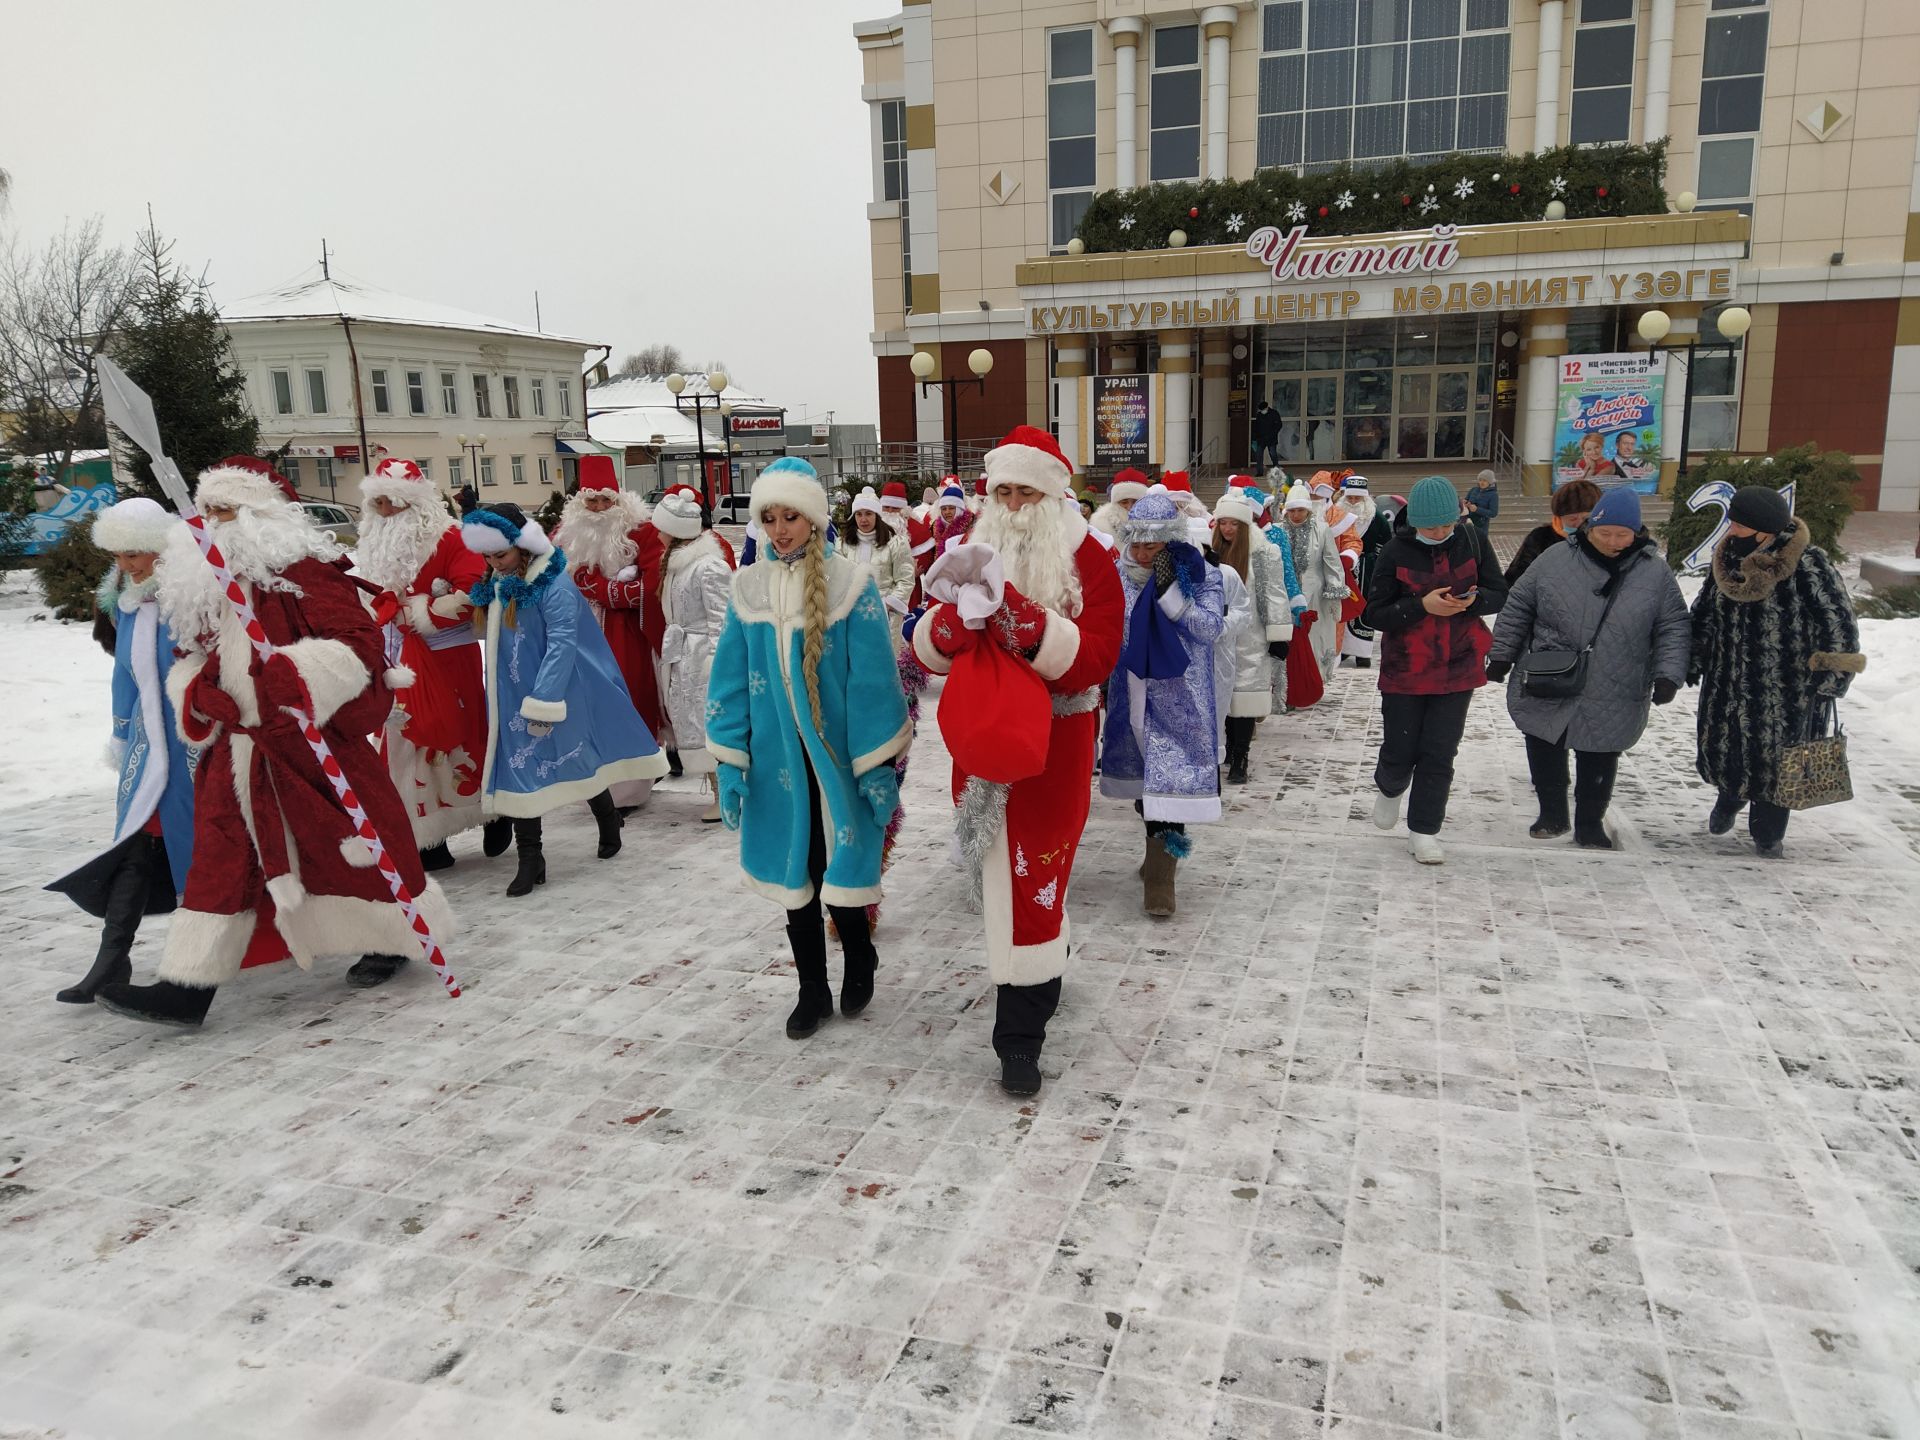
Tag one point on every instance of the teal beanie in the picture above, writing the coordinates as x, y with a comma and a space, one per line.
1433, 501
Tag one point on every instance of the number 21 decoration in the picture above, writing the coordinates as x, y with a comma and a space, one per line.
1717, 495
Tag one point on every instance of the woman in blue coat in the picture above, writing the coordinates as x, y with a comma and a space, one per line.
560, 727
805, 716
144, 871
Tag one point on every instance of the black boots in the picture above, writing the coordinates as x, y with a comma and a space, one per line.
808, 937
1020, 1075
495, 836
856, 947
1592, 793
161, 1003
371, 970
1552, 822
533, 860
1726, 810
437, 857
1239, 742
609, 820
674, 768
126, 902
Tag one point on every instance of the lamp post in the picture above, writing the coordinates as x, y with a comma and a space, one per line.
716, 382
473, 445
923, 365
1654, 327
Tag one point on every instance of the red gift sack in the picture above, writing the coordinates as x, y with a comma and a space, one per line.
1351, 607
434, 719
996, 715
1305, 685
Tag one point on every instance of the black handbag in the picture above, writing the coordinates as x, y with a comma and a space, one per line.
1562, 674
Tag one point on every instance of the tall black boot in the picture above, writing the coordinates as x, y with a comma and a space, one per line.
674, 768
808, 937
861, 959
126, 903
1239, 743
609, 820
437, 856
495, 836
533, 860
161, 1003
1592, 793
1547, 767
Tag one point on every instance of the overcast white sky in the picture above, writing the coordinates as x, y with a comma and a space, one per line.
693, 172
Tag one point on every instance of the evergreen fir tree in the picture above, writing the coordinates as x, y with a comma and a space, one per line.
173, 345
16, 510
71, 571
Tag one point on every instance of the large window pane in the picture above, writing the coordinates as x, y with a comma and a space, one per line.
1067, 213
1176, 99
1416, 392
1286, 350
1430, 127
1380, 75
1483, 65
1282, 83
1596, 10
1483, 122
1416, 348
1176, 45
1435, 17
1323, 395
1378, 131
1325, 346
1070, 164
1330, 24
1279, 140
1330, 79
1072, 53
1280, 29
1716, 425
1726, 169
1369, 346
1328, 136
1603, 57
1176, 154
1486, 14
1070, 108
1450, 437
1433, 69
1413, 438
1380, 22
1600, 115
1368, 436
1730, 107
1369, 392
1736, 45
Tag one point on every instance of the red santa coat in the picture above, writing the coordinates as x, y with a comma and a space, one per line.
267, 827
633, 627
1029, 864
432, 635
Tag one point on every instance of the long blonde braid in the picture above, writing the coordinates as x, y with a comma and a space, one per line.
813, 579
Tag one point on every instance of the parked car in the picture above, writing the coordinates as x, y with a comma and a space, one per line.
733, 510
334, 519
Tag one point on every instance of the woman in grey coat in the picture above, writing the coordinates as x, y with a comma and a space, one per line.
1639, 652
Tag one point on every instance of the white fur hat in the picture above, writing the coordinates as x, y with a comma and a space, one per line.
1298, 498
677, 515
1233, 506
1127, 485
136, 526
1030, 457
243, 480
495, 528
400, 481
866, 500
793, 483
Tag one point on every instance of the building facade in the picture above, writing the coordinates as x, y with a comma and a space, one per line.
342, 376
1007, 137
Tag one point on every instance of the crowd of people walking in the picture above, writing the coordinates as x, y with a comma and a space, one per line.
474, 673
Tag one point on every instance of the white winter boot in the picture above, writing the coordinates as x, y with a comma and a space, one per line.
1426, 849
1386, 811
710, 787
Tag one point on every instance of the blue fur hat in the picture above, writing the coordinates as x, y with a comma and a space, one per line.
1154, 519
494, 528
793, 484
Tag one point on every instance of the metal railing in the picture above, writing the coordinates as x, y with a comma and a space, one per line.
915, 462
1506, 464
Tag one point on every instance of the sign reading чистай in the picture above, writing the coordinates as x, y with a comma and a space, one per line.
1430, 253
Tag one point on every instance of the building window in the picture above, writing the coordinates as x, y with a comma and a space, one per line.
1070, 131
486, 470
323, 476
416, 392
537, 392
283, 392
1716, 382
382, 401
449, 394
482, 398
456, 471
510, 390
546, 470
1173, 103
1732, 85
1372, 80
518, 465
566, 400
290, 468
317, 391
1602, 110
893, 184
426, 468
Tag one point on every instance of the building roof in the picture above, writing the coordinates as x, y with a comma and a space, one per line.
646, 390
321, 297
634, 410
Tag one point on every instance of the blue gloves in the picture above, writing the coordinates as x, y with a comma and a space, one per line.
913, 619
733, 794
880, 788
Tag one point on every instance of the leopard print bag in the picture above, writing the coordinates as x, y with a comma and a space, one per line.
1813, 770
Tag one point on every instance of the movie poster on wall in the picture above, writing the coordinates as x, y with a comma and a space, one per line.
1607, 427
1122, 420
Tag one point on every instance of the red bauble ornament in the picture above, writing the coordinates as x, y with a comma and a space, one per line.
1601, 191
1194, 213
1323, 212
1513, 189
1406, 199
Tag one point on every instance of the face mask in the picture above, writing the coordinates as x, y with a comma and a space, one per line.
1741, 546
1427, 540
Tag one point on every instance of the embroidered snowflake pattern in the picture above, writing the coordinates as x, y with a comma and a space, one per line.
1236, 222
1126, 222
715, 709
943, 630
1463, 188
1345, 200
786, 780
1019, 861
1428, 204
843, 835
1296, 212
870, 606
1048, 894
756, 683
1558, 185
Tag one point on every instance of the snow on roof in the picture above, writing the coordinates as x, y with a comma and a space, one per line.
320, 297
646, 390
638, 424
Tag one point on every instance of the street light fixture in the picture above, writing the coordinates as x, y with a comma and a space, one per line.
698, 403
473, 445
1655, 325
980, 362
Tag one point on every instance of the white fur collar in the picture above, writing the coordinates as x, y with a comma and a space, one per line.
702, 547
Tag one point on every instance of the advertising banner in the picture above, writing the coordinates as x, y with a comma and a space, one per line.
1607, 425
1122, 419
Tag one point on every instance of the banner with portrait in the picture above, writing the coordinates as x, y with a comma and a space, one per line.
1122, 420
1607, 421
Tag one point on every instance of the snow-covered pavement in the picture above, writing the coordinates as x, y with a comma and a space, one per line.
1542, 1143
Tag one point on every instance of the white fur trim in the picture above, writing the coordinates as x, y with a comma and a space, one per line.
444, 821
419, 614
1179, 809
484, 540
547, 712
1279, 630
357, 853
573, 792
1125, 490
185, 669
1059, 647
136, 525
1174, 603
343, 925
333, 673
727, 755
226, 485
1026, 465
399, 677
452, 605
384, 485
1298, 498
287, 892
1251, 704
677, 516
1233, 506
792, 491
879, 756
932, 659
204, 949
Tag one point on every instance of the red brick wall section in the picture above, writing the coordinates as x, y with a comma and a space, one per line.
1832, 373
896, 399
982, 417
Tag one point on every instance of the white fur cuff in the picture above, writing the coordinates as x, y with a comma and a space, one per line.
1059, 647
332, 672
546, 712
923, 649
1174, 603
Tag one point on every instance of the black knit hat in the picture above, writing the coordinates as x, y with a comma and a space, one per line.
1761, 508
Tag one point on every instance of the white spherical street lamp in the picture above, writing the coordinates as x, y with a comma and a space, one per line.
980, 361
1177, 239
1654, 325
1735, 321
676, 382
923, 364
716, 380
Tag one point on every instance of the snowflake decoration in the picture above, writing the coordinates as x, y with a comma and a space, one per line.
1559, 185
1296, 212
1345, 200
715, 709
1019, 860
870, 606
1048, 894
1126, 222
1236, 222
1462, 190
786, 781
843, 836
1428, 204
757, 683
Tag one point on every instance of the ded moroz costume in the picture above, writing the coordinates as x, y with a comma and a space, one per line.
1126, 488
609, 540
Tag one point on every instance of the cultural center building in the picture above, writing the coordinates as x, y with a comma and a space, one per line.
1412, 228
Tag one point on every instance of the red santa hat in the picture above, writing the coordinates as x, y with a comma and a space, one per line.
1032, 458
677, 514
1128, 485
1242, 482
399, 481
1177, 481
893, 496
980, 486
597, 473
244, 480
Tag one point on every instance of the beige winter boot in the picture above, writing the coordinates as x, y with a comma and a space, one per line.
710, 787
1158, 872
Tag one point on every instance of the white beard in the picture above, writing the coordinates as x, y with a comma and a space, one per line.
1036, 549
1362, 511
600, 540
256, 544
392, 549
